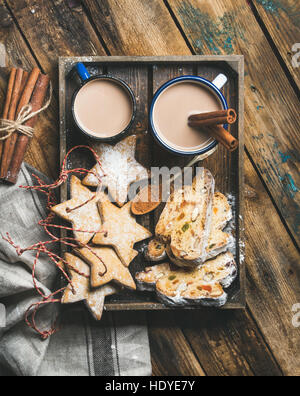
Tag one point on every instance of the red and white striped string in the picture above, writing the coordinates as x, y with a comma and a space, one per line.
43, 247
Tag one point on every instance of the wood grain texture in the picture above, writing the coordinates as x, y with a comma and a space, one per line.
65, 31
265, 149
171, 353
260, 220
273, 275
43, 148
18, 53
145, 75
273, 369
273, 288
135, 27
283, 263
229, 27
281, 19
228, 344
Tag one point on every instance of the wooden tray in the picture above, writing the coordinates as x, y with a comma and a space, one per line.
145, 75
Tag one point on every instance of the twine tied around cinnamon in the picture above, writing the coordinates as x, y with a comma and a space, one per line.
8, 127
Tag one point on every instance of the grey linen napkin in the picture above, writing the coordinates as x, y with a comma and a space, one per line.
116, 346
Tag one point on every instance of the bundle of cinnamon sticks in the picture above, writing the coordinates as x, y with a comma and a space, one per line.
212, 123
23, 89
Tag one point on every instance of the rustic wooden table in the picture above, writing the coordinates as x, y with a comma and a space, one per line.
263, 339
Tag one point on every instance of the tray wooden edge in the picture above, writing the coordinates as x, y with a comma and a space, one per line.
63, 191
237, 63
161, 307
241, 239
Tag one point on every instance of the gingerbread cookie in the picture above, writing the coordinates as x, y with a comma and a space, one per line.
81, 210
120, 230
120, 167
106, 267
94, 299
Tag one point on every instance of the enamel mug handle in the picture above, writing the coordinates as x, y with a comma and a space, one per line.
220, 81
82, 72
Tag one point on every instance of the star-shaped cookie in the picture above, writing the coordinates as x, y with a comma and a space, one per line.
86, 217
121, 169
94, 298
120, 230
106, 267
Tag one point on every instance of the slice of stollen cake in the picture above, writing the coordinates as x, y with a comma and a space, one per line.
201, 286
186, 220
219, 241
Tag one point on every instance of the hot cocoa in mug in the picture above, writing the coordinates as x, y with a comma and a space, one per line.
103, 107
172, 105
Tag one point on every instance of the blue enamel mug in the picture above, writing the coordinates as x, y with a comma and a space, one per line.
93, 107
214, 87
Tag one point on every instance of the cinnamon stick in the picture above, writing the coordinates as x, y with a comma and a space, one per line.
27, 87
10, 88
5, 160
37, 101
23, 84
10, 146
224, 137
213, 118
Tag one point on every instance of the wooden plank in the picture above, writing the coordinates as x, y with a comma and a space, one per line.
170, 352
228, 27
273, 288
42, 153
251, 253
273, 275
160, 60
134, 27
260, 228
66, 31
229, 345
261, 217
281, 19
172, 338
160, 355
144, 76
